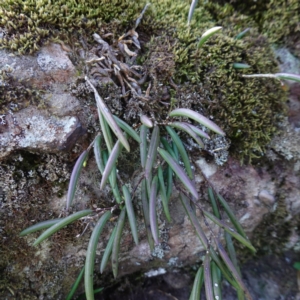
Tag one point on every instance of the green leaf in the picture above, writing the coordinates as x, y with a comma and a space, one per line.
213, 202
75, 285
97, 153
106, 132
240, 66
188, 113
216, 281
123, 125
207, 278
197, 130
146, 121
163, 194
116, 244
179, 172
207, 34
184, 127
107, 250
191, 11
111, 163
91, 254
193, 218
229, 230
168, 148
143, 145
109, 117
177, 141
232, 217
40, 226
288, 76
296, 265
152, 210
130, 214
198, 282
242, 34
169, 182
231, 251
74, 177
59, 225
145, 204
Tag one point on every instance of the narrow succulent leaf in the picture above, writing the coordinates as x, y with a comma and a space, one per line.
225, 272
182, 126
152, 210
107, 250
117, 241
191, 11
177, 141
175, 149
106, 132
168, 148
207, 278
146, 121
143, 145
232, 269
288, 76
232, 217
213, 202
240, 294
113, 182
231, 251
207, 34
169, 182
109, 117
59, 225
216, 282
231, 231
151, 156
198, 282
242, 34
240, 66
97, 153
91, 254
197, 130
193, 218
74, 177
40, 226
111, 163
123, 125
130, 213
179, 172
163, 193
188, 113
145, 205
75, 285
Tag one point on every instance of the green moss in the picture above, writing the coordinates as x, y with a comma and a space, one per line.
29, 24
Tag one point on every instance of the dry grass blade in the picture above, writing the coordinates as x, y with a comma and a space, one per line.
109, 117
193, 218
229, 230
184, 127
59, 225
207, 34
216, 281
111, 163
40, 226
188, 113
232, 217
152, 210
91, 254
97, 153
74, 177
130, 214
232, 269
145, 204
181, 149
207, 278
163, 194
191, 11
143, 145
116, 244
279, 76
123, 125
107, 250
179, 172
198, 282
